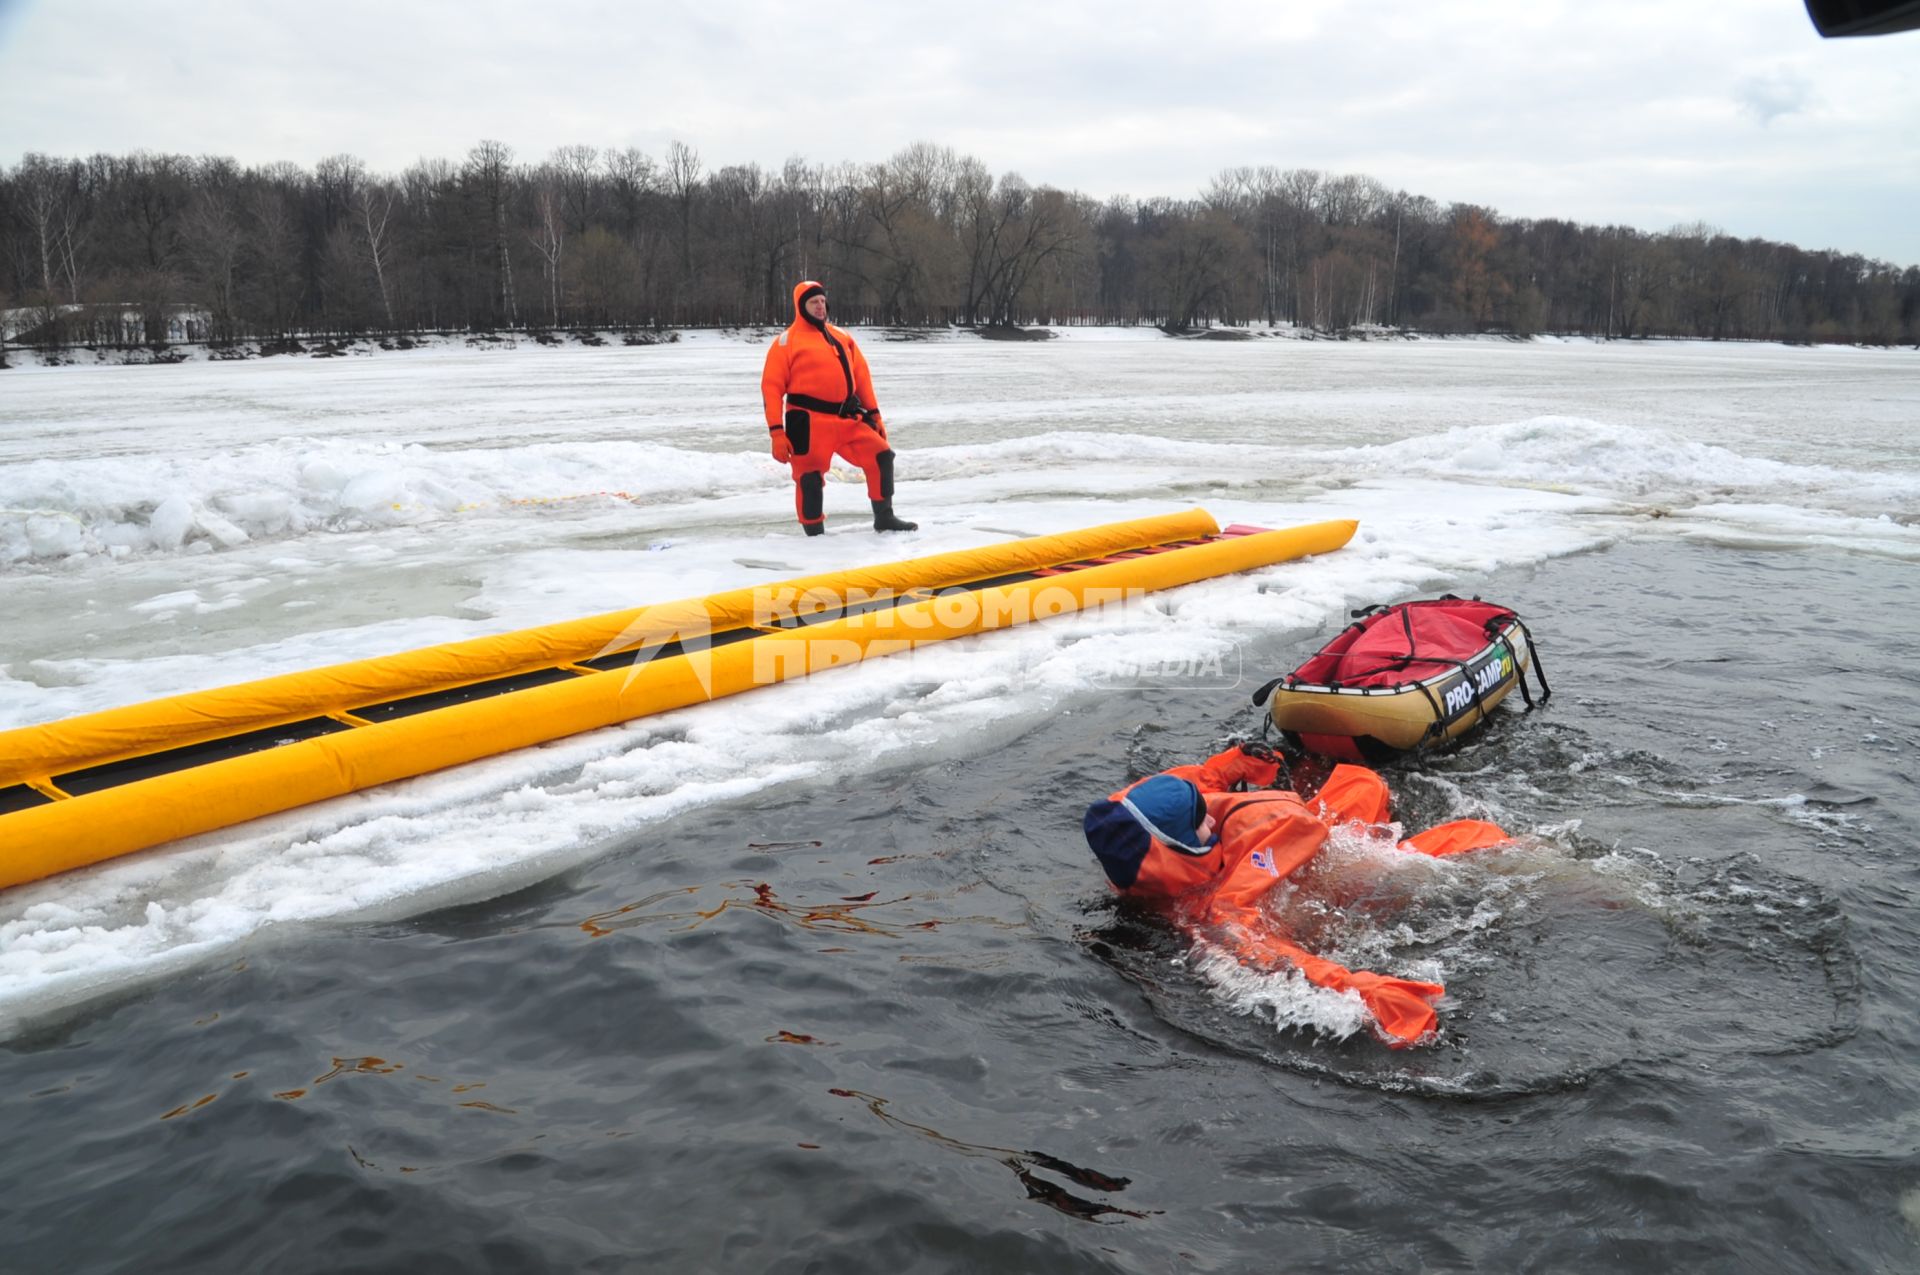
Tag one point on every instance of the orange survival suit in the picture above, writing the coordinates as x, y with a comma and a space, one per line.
1146, 838
820, 403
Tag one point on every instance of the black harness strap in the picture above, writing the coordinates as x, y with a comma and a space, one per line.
1439, 716
850, 407
846, 369
1398, 663
1539, 672
1520, 674
1220, 824
1466, 678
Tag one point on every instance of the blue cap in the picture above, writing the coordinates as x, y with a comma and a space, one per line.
1163, 809
1171, 811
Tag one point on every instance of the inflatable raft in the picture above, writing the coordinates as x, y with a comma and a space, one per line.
79, 791
1402, 677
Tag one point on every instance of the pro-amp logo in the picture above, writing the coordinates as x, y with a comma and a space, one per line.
1477, 683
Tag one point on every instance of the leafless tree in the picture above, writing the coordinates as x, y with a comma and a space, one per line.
549, 235
212, 236
1197, 261
273, 246
1011, 230
632, 176
42, 187
489, 171
373, 209
155, 189
573, 170
337, 180
682, 174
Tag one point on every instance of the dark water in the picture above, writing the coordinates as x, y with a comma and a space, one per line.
902, 1026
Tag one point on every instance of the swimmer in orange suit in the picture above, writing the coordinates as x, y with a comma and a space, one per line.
1186, 835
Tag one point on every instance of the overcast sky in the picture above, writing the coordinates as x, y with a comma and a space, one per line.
1732, 112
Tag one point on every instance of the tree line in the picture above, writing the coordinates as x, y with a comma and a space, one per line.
113, 249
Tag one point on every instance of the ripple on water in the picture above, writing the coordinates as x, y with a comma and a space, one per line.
1559, 968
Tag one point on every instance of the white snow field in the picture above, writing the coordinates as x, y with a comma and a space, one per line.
169, 528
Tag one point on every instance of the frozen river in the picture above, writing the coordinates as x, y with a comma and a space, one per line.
1701, 536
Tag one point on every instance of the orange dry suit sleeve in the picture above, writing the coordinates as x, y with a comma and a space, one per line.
1354, 793
862, 378
1220, 772
1456, 838
1280, 839
773, 382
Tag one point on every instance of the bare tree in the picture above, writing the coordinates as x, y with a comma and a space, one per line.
1478, 286
979, 224
273, 247
1011, 230
43, 198
373, 208
336, 180
891, 196
433, 243
683, 179
154, 189
48, 202
549, 236
632, 176
211, 233
784, 253
603, 278
1298, 195
572, 169
1197, 260
489, 171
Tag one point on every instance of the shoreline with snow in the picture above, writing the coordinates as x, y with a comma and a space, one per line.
16, 357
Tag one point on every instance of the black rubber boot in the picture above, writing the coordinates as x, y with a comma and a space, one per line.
812, 503
884, 519
883, 516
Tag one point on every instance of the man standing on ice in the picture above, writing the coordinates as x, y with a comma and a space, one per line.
828, 410
1185, 839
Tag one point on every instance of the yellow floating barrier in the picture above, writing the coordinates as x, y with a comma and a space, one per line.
105, 784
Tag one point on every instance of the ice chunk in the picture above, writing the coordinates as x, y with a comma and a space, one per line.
54, 536
170, 522
372, 490
220, 529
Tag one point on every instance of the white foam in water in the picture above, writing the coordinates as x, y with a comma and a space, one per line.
1281, 997
1368, 901
168, 529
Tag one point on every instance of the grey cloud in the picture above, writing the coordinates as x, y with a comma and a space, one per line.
1768, 97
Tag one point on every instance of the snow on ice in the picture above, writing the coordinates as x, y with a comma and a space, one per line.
164, 529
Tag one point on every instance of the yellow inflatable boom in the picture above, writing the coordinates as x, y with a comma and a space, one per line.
105, 784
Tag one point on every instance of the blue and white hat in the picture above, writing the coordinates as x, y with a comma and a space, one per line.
1163, 809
